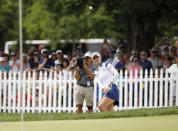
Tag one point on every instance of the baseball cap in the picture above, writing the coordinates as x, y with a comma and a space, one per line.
95, 54
59, 51
153, 50
44, 50
2, 59
88, 54
36, 53
13, 54
53, 53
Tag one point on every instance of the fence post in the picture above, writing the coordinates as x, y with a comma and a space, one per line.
171, 90
130, 89
70, 91
54, 91
141, 89
151, 89
40, 92
125, 90
28, 92
59, 91
156, 89
45, 92
166, 89
49, 91
65, 92
146, 89
161, 89
14, 91
33, 92
19, 92
9, 92
136, 89
23, 90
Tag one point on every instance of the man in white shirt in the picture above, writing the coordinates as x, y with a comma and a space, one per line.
173, 69
155, 61
106, 76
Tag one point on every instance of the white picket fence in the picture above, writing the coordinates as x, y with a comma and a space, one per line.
54, 92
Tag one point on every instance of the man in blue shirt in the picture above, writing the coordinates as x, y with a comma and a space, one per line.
121, 64
45, 63
146, 64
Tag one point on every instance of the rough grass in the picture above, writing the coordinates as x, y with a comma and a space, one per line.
5, 117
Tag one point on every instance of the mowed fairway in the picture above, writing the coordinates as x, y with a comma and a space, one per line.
152, 123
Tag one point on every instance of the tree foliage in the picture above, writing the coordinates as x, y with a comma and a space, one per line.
142, 23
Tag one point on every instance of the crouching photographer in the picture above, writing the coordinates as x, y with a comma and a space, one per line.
84, 76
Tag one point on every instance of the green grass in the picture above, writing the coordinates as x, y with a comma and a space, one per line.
150, 123
5, 117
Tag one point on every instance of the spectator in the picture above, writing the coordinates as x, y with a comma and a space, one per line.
59, 54
54, 56
122, 46
2, 64
134, 66
105, 53
155, 61
173, 70
176, 45
14, 63
134, 53
1, 52
41, 47
26, 65
32, 62
162, 44
59, 68
121, 64
120, 50
146, 64
65, 63
173, 54
17, 52
168, 63
78, 52
113, 52
84, 88
6, 62
127, 60
45, 63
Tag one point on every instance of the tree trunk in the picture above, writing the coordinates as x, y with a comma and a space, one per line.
141, 34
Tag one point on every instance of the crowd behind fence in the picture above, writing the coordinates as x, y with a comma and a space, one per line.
54, 92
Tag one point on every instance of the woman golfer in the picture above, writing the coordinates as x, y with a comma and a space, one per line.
106, 76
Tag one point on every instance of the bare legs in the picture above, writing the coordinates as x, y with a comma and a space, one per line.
106, 104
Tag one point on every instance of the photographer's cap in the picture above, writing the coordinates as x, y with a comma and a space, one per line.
95, 54
88, 54
59, 51
44, 51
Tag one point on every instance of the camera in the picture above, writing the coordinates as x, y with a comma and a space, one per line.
80, 62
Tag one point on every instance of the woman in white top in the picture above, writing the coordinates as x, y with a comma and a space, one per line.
106, 76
